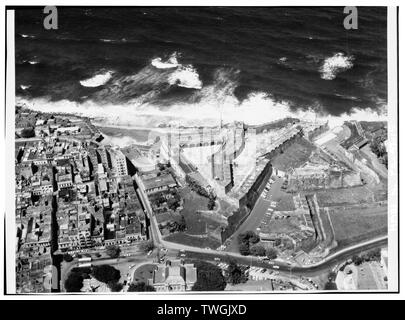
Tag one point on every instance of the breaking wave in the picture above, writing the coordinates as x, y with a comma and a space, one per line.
187, 77
209, 110
27, 36
97, 80
334, 65
184, 75
134, 100
171, 62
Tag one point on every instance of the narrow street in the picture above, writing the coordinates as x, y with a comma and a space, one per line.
257, 214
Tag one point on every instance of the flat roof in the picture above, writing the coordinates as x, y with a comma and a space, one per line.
160, 181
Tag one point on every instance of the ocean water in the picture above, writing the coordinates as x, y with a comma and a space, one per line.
148, 66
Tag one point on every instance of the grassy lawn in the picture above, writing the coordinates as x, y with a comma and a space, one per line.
287, 225
185, 239
166, 216
196, 224
144, 272
286, 203
357, 224
346, 196
294, 156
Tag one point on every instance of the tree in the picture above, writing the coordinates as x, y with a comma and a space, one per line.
106, 273
140, 286
257, 250
28, 133
211, 204
235, 274
74, 282
357, 260
173, 203
182, 224
271, 253
147, 246
249, 236
245, 240
244, 248
209, 277
115, 286
113, 251
330, 286
67, 257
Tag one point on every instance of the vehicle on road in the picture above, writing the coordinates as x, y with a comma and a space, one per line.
276, 267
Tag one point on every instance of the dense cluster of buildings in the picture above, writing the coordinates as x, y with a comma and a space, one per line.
71, 193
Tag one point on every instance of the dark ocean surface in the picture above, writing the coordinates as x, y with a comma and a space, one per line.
188, 61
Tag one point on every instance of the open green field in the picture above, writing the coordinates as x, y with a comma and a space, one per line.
183, 238
193, 202
287, 225
294, 156
285, 203
344, 196
354, 224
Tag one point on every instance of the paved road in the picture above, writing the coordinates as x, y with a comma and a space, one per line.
323, 266
257, 213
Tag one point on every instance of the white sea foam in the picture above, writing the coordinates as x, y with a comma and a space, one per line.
214, 102
27, 36
97, 80
183, 76
258, 108
186, 76
335, 64
168, 64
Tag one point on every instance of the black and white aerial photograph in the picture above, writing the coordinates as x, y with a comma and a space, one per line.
166, 150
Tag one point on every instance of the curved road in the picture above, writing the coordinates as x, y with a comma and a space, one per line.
209, 254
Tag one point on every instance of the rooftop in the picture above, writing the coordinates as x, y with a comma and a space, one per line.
160, 181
